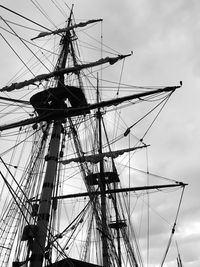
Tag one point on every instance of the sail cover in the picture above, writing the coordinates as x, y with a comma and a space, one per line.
98, 157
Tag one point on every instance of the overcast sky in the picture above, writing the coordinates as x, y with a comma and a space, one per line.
165, 38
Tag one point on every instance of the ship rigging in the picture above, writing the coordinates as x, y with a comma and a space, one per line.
72, 143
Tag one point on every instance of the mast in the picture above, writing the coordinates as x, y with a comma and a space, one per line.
108, 212
102, 185
38, 251
39, 248
117, 228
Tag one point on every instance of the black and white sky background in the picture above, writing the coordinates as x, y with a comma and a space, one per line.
165, 38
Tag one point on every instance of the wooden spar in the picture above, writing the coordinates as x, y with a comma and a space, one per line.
97, 157
39, 78
24, 102
121, 190
118, 190
81, 24
70, 112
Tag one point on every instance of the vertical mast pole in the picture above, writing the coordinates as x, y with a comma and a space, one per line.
38, 251
102, 189
117, 228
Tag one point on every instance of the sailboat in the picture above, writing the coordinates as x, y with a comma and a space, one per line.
70, 182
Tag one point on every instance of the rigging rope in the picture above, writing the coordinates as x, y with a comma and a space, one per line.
31, 43
120, 78
130, 127
16, 53
30, 20
59, 8
148, 214
20, 25
165, 102
24, 43
173, 228
6, 151
41, 10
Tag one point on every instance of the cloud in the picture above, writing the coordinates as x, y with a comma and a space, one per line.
164, 36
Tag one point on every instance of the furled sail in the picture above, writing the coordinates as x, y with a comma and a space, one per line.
98, 157
38, 78
70, 112
81, 24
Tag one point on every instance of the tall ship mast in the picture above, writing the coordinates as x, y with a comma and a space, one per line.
70, 190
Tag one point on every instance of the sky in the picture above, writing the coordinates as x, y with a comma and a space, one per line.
164, 37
